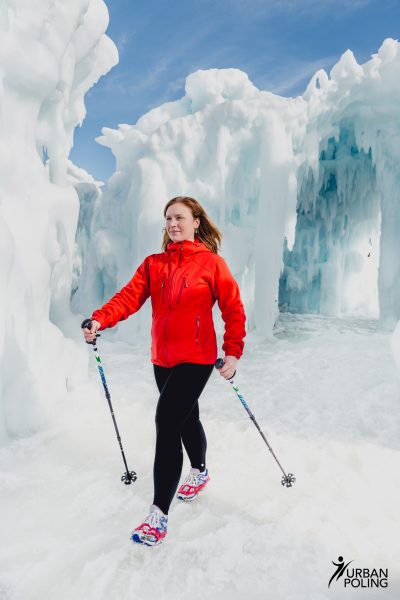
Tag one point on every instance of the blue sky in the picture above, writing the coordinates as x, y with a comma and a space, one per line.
278, 43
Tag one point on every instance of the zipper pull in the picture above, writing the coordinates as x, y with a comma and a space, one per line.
197, 328
184, 284
162, 288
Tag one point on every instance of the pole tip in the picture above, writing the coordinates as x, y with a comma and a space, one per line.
288, 480
129, 477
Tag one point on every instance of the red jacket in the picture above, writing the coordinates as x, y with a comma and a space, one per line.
184, 282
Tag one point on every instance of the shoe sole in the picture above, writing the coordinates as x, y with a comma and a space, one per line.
143, 541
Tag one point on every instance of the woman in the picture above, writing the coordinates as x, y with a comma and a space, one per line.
183, 282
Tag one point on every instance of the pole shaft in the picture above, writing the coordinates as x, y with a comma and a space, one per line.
103, 380
252, 417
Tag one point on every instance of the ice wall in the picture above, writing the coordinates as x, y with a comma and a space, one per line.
352, 157
304, 189
333, 266
89, 193
50, 55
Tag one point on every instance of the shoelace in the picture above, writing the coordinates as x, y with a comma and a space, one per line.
194, 479
156, 520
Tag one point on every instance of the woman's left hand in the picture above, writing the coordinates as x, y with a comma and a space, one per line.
229, 367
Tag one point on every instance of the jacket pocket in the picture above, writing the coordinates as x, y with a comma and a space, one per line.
183, 285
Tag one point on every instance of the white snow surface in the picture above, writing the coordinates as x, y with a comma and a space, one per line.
325, 393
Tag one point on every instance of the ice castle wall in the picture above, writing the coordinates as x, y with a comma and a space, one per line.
304, 189
333, 266
50, 55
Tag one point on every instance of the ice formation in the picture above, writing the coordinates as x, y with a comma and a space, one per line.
304, 189
50, 55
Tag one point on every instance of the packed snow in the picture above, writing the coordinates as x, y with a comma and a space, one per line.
325, 393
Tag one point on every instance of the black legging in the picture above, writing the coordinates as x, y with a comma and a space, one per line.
177, 421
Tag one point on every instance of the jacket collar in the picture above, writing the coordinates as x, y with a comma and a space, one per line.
186, 248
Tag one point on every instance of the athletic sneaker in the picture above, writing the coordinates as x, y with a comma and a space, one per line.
193, 484
153, 529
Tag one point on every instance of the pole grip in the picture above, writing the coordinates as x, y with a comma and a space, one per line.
219, 363
87, 324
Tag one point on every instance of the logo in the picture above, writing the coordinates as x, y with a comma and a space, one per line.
359, 578
340, 569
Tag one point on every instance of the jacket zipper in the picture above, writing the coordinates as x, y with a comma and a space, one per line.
170, 300
163, 288
197, 328
173, 276
166, 318
183, 284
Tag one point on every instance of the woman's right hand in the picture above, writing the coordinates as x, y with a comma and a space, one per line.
90, 334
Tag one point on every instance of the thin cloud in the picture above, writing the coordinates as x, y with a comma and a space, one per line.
294, 74
174, 86
253, 10
132, 82
123, 39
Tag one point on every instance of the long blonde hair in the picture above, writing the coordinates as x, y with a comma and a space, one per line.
208, 233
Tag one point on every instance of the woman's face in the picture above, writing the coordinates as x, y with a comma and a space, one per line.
180, 223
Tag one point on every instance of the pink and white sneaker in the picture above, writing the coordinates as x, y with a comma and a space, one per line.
153, 529
193, 484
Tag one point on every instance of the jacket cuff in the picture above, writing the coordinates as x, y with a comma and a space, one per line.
233, 352
97, 316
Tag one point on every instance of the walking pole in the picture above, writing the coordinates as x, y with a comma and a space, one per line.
129, 476
287, 480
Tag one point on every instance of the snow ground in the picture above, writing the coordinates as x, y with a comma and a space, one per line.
325, 393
